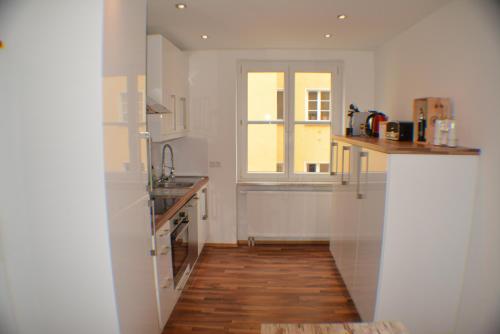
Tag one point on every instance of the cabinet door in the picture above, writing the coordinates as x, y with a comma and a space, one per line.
371, 220
370, 195
344, 232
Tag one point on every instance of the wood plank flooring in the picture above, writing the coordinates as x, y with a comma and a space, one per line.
235, 290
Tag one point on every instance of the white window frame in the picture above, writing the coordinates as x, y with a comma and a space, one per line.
289, 68
318, 108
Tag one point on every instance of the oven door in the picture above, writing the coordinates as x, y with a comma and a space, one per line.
180, 249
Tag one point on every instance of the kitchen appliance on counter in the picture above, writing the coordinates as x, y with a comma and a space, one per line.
372, 127
356, 121
364, 123
399, 130
352, 109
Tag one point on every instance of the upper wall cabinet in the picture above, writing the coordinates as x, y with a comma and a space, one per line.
167, 89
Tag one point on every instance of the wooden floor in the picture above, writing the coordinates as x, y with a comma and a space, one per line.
235, 290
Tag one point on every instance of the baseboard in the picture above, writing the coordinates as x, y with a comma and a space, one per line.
285, 242
221, 245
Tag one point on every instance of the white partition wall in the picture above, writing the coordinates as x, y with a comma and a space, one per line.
53, 227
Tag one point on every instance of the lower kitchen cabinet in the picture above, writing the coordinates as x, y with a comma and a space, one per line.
399, 235
165, 291
356, 237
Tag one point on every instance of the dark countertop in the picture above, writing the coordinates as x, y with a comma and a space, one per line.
164, 217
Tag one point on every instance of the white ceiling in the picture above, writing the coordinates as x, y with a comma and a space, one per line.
278, 24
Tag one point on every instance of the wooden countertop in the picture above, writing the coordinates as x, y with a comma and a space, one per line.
401, 147
163, 218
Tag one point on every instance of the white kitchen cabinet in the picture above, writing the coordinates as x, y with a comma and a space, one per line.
165, 293
358, 207
399, 235
167, 85
370, 195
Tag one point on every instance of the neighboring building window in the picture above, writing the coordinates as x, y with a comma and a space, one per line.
317, 167
318, 105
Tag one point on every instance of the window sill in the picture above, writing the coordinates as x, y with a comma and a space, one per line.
285, 185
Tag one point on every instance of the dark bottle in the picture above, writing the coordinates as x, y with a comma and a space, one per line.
421, 126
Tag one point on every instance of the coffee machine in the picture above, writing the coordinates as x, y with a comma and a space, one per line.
356, 121
363, 123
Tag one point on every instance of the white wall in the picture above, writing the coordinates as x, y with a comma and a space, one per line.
53, 226
212, 81
455, 52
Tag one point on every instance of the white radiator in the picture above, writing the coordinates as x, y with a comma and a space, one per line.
284, 215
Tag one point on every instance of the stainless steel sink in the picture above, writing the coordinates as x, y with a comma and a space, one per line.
180, 182
175, 185
166, 194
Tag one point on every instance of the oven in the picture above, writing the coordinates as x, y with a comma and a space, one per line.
180, 245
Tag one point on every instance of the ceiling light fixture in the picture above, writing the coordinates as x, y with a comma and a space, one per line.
204, 36
181, 6
328, 35
342, 17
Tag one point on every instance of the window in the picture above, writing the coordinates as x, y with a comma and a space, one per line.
287, 113
318, 105
317, 167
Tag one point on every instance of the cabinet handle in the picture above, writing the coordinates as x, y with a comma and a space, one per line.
163, 233
184, 112
362, 155
205, 216
342, 181
174, 98
167, 283
334, 148
146, 135
165, 250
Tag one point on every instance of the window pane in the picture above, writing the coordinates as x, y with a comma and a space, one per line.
308, 92
324, 168
280, 102
311, 168
265, 148
313, 105
312, 116
263, 88
312, 143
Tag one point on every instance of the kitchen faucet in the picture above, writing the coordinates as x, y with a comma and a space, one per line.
171, 175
